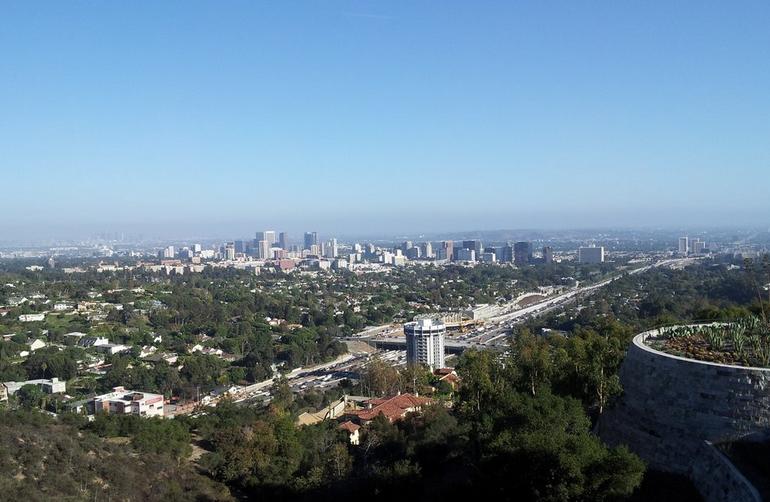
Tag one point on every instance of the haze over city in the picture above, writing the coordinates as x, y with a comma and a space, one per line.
195, 119
384, 251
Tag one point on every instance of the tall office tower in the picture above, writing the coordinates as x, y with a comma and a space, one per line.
449, 249
196, 248
315, 250
311, 238
684, 245
230, 251
267, 235
591, 255
522, 253
698, 246
240, 247
283, 241
505, 254
169, 252
474, 245
465, 254
547, 254
425, 342
264, 250
427, 250
412, 253
406, 245
488, 257
331, 249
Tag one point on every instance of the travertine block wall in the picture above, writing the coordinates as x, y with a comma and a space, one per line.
671, 405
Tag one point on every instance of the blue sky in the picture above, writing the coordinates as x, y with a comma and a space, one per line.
229, 116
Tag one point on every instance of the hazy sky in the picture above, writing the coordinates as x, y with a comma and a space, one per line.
363, 116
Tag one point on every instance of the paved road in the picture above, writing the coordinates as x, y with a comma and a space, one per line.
330, 374
505, 322
497, 327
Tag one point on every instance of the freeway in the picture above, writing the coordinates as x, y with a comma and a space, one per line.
505, 322
389, 338
319, 376
498, 327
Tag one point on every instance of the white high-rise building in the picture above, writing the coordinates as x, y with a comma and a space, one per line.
591, 255
264, 250
331, 250
684, 245
267, 235
698, 246
425, 342
230, 251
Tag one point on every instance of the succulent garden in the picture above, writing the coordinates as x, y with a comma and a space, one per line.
744, 342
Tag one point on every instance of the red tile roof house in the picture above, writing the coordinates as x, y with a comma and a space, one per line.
393, 408
448, 375
352, 430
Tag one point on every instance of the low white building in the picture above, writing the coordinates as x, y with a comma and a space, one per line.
131, 402
36, 344
31, 317
147, 350
93, 341
112, 348
75, 335
52, 386
167, 357
482, 311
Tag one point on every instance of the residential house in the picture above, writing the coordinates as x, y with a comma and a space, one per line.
449, 376
52, 386
36, 344
32, 317
393, 408
353, 431
93, 341
167, 357
122, 401
112, 348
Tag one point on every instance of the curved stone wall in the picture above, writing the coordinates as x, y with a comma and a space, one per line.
671, 405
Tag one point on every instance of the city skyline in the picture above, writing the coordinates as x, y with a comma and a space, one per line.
45, 234
357, 249
358, 116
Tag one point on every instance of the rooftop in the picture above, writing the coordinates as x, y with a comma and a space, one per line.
393, 408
